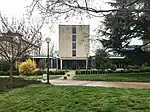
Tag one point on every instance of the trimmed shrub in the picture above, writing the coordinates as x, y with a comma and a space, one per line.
50, 73
110, 71
58, 73
18, 82
40, 72
4, 65
145, 69
113, 67
15, 73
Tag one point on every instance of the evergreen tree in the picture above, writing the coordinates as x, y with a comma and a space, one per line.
122, 26
101, 57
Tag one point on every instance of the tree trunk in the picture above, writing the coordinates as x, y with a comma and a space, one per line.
11, 75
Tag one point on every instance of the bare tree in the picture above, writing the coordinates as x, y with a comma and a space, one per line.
87, 8
68, 8
52, 50
90, 9
17, 38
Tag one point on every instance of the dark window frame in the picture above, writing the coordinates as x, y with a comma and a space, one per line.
74, 53
73, 29
73, 45
74, 38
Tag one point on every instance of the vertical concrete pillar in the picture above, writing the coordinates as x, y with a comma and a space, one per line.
87, 64
51, 62
57, 64
61, 64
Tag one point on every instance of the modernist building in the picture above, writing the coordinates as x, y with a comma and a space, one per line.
74, 46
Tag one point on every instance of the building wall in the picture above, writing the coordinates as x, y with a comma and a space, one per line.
65, 41
82, 41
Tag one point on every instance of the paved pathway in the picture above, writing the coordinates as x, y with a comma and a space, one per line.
101, 84
70, 82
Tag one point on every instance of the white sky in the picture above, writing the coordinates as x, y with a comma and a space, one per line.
17, 8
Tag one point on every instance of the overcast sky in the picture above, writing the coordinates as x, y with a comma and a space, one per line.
17, 8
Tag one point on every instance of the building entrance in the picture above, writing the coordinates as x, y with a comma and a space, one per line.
73, 64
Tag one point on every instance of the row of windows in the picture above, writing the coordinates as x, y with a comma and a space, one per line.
73, 45
73, 29
73, 52
73, 40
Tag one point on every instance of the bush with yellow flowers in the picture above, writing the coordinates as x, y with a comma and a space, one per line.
27, 67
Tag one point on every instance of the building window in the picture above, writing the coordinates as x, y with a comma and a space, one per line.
73, 29
73, 40
73, 37
73, 52
73, 45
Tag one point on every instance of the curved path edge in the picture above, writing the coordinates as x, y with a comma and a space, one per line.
136, 85
71, 82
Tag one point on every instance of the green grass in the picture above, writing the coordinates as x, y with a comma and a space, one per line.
127, 77
47, 98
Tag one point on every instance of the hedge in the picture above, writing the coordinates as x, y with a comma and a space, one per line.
18, 82
50, 73
110, 71
15, 73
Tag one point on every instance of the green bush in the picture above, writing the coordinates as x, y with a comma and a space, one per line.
18, 82
15, 73
58, 73
4, 65
89, 72
39, 72
113, 67
110, 71
50, 72
145, 69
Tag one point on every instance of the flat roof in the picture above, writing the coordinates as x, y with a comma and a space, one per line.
116, 57
43, 57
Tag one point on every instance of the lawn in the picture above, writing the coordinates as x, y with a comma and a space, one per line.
47, 98
127, 77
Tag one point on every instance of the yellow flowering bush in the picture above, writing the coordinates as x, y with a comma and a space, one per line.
27, 67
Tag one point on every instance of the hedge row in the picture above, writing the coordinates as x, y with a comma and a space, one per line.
15, 73
17, 82
110, 71
51, 72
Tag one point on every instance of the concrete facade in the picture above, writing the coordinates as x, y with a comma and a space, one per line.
73, 43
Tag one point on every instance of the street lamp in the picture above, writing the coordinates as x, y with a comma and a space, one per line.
48, 40
57, 61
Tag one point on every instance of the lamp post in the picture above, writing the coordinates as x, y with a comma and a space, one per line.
48, 41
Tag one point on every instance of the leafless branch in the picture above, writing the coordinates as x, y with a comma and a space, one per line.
18, 38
